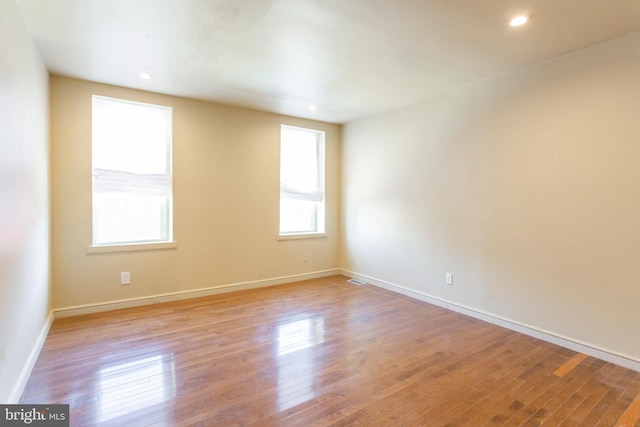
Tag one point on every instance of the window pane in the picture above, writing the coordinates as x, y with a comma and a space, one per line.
301, 181
299, 159
298, 216
131, 137
128, 218
132, 189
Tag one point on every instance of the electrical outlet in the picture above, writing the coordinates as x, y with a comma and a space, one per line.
125, 278
306, 257
448, 278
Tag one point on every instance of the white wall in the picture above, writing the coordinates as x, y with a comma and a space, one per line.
526, 187
226, 202
24, 202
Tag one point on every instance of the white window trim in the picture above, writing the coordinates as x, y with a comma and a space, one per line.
131, 247
320, 195
115, 247
298, 236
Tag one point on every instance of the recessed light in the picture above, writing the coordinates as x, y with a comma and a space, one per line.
519, 20
312, 107
145, 76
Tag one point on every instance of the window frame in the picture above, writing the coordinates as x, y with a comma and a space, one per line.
320, 220
135, 245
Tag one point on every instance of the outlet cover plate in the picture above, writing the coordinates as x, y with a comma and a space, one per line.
125, 278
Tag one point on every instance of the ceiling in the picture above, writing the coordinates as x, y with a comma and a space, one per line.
350, 58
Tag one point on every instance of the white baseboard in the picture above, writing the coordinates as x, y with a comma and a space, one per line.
552, 337
23, 378
195, 293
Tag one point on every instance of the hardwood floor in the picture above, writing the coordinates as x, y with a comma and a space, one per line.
320, 352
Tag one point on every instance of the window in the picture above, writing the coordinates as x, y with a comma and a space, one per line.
131, 159
301, 181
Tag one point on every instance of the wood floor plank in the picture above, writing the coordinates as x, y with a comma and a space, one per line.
631, 415
619, 382
624, 400
321, 352
569, 365
577, 391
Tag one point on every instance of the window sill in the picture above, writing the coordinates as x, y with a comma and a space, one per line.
137, 247
301, 236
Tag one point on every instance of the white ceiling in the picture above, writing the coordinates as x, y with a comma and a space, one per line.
352, 58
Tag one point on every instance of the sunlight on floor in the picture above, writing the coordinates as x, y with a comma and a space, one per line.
131, 386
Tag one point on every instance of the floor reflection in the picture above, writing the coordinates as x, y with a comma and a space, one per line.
297, 372
300, 334
136, 385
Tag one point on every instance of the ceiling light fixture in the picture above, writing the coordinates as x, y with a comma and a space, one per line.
519, 20
145, 76
312, 107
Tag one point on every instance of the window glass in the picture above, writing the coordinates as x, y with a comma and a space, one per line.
301, 181
131, 165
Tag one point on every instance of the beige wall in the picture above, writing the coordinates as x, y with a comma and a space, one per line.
525, 187
24, 201
226, 192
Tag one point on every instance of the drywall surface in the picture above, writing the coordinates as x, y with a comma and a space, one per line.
226, 201
25, 296
525, 187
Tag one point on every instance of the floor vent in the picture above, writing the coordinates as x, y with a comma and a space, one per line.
356, 282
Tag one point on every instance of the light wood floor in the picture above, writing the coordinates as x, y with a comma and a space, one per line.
320, 352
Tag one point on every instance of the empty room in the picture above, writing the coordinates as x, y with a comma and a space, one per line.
331, 213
